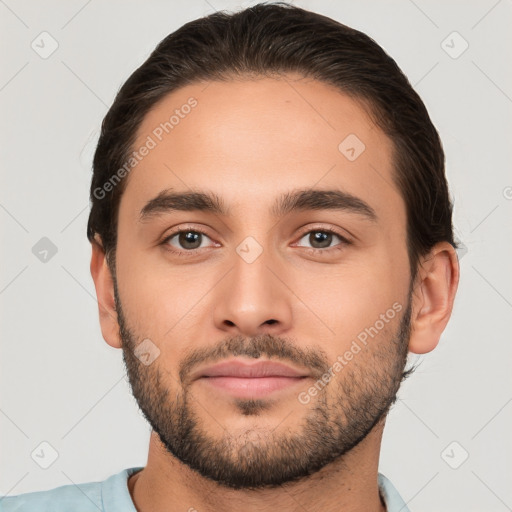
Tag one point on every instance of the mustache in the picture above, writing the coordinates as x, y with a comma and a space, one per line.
272, 347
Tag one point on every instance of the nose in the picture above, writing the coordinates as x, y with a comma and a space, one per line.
252, 300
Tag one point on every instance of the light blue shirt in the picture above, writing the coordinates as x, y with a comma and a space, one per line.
112, 495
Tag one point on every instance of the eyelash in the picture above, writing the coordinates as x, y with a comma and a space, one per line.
313, 250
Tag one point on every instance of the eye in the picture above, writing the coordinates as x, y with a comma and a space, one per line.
188, 240
185, 241
322, 239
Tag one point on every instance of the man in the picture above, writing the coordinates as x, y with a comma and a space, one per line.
271, 235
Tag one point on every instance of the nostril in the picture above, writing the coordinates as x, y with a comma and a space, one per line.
272, 321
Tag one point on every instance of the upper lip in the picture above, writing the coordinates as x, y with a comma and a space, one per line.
237, 368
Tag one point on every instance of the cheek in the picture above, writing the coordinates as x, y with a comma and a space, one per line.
357, 312
160, 300
342, 302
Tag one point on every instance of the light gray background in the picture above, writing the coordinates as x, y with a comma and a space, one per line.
60, 381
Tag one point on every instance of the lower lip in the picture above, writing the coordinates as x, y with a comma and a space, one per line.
251, 387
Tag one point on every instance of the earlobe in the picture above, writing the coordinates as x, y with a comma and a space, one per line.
104, 285
433, 297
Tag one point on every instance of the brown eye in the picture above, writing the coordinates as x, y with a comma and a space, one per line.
321, 239
188, 240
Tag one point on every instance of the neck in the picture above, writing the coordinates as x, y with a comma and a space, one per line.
349, 485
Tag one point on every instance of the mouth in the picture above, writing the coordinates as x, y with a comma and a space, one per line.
254, 380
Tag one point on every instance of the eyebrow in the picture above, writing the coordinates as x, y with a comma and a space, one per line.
298, 200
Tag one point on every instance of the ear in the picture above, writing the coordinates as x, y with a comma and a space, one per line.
104, 284
433, 296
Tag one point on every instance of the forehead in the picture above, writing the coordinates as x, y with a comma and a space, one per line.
251, 139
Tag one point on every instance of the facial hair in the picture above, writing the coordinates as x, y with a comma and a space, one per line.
343, 413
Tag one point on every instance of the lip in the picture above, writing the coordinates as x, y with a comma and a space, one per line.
254, 380
260, 369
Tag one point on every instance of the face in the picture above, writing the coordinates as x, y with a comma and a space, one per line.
262, 226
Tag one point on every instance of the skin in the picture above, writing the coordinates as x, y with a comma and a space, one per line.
250, 141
